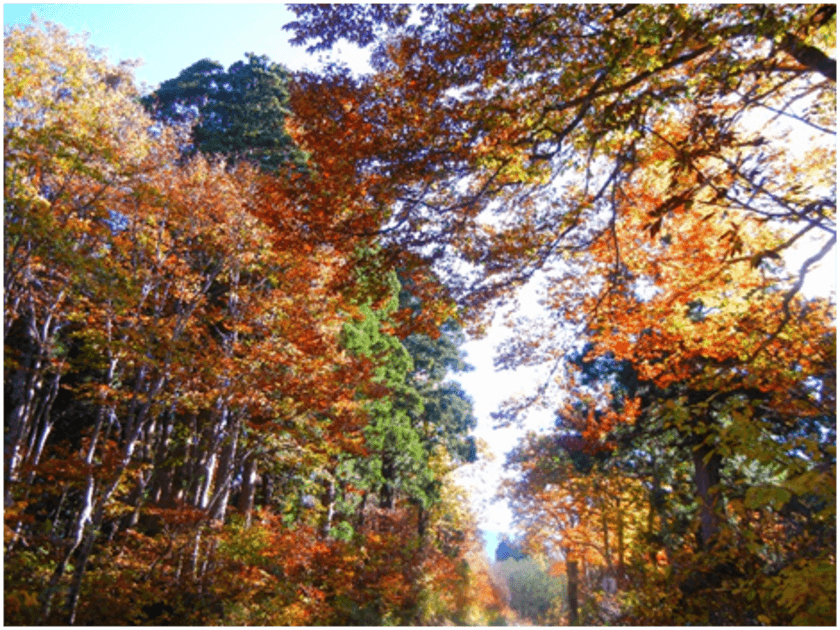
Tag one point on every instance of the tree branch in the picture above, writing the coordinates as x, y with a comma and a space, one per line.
810, 57
803, 270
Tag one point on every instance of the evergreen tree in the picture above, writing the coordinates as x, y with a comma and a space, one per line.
239, 113
396, 460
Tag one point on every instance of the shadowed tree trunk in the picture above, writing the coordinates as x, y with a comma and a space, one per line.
386, 492
572, 574
707, 465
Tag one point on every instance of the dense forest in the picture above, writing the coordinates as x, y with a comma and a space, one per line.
234, 307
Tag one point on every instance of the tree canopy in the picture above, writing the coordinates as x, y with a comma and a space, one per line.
198, 402
635, 162
233, 311
238, 113
504, 133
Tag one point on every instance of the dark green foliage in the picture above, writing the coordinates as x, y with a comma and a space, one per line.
448, 416
239, 113
413, 409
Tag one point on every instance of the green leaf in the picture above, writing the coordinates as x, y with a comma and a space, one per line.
766, 496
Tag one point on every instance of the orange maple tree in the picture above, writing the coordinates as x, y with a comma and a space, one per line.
727, 364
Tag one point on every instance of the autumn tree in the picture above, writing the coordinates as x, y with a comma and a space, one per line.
536, 113
532, 590
637, 160
686, 368
153, 361
202, 380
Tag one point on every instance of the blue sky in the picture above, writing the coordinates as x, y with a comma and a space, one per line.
171, 37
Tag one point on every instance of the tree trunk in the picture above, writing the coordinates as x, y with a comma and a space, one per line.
163, 478
422, 517
328, 501
572, 582
362, 505
386, 491
620, 536
707, 465
207, 474
606, 541
27, 383
249, 486
268, 482
224, 475
78, 573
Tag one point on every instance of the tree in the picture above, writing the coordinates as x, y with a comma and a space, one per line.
412, 411
160, 342
505, 551
532, 592
447, 410
238, 113
499, 108
390, 459
607, 150
395, 455
584, 511
678, 360
70, 141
